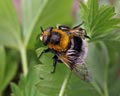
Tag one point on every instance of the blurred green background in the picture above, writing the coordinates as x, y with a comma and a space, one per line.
20, 71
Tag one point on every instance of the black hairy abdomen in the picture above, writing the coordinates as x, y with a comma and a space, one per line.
77, 43
74, 51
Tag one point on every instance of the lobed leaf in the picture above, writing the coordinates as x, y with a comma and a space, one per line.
27, 85
98, 19
52, 84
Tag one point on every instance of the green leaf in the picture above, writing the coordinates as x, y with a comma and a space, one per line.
114, 66
77, 87
115, 89
54, 15
98, 61
62, 82
92, 6
99, 20
2, 67
31, 11
27, 85
10, 71
9, 26
100, 23
16, 90
88, 13
8, 68
39, 50
50, 84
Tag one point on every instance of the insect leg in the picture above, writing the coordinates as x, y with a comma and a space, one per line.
87, 37
44, 51
78, 26
55, 60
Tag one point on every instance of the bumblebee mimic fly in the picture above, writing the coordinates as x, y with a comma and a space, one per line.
68, 46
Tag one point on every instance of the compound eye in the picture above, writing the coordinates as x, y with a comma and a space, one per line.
45, 39
46, 35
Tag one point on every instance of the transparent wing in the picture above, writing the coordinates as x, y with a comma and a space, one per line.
80, 69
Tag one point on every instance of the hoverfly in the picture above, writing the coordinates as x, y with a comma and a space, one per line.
69, 47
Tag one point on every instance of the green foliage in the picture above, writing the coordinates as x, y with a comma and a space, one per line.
9, 28
2, 66
31, 13
99, 66
7, 72
26, 86
99, 20
18, 43
100, 23
62, 82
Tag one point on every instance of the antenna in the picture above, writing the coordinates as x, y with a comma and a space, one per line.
41, 29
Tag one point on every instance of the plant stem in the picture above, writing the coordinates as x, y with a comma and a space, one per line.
94, 84
106, 89
64, 85
106, 78
24, 60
